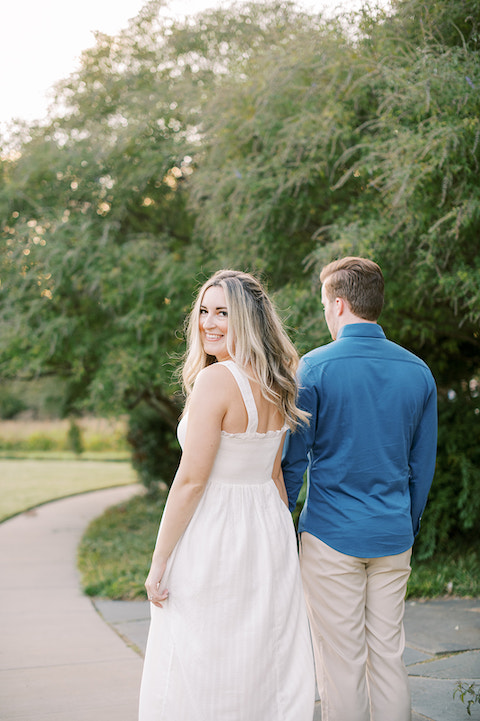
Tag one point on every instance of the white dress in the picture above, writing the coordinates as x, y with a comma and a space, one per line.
232, 641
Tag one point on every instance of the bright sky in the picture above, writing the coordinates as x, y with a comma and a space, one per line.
41, 42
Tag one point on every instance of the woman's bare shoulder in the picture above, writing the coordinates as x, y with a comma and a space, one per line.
215, 377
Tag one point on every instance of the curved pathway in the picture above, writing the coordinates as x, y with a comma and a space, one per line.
58, 659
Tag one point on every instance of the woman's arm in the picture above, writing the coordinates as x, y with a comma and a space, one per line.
207, 407
277, 474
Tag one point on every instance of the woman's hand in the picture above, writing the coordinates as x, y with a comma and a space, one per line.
153, 582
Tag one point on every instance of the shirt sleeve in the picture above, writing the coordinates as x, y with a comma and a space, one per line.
298, 444
422, 458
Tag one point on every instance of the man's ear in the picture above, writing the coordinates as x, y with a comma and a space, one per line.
340, 306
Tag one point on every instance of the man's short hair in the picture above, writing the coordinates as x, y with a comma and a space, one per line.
358, 281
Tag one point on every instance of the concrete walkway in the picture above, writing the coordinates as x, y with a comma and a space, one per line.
64, 658
58, 659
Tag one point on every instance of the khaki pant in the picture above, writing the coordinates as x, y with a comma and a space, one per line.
356, 608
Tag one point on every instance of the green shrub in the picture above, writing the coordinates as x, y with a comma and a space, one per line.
155, 449
97, 442
455, 572
453, 508
74, 439
85, 436
40, 442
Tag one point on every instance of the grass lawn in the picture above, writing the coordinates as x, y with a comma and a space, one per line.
115, 553
26, 483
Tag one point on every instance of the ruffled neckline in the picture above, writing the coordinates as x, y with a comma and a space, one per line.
255, 434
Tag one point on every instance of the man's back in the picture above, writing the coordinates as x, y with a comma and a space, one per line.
373, 407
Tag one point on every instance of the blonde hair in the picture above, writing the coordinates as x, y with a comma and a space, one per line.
255, 339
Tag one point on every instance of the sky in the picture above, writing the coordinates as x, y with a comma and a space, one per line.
41, 42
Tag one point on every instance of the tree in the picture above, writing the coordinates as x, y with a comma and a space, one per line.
368, 147
98, 264
365, 146
97, 250
99, 260
261, 137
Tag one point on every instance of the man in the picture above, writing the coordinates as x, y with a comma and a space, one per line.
369, 451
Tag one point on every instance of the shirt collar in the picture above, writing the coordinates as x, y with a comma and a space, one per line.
361, 330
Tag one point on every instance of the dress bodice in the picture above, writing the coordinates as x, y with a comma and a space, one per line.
246, 457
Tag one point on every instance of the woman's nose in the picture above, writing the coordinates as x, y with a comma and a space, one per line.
209, 321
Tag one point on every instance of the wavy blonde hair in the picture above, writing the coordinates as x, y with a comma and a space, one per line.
256, 340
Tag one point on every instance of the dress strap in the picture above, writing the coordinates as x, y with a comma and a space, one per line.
247, 394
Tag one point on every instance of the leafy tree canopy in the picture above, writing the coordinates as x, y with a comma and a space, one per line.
257, 136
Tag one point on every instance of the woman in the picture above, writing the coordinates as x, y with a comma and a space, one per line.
229, 638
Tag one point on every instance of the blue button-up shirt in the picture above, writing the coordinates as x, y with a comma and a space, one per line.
370, 447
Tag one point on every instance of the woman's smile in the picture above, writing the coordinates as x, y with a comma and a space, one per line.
213, 323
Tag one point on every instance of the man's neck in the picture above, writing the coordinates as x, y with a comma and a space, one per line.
349, 319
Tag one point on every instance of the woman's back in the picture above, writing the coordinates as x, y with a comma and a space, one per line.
236, 417
246, 454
